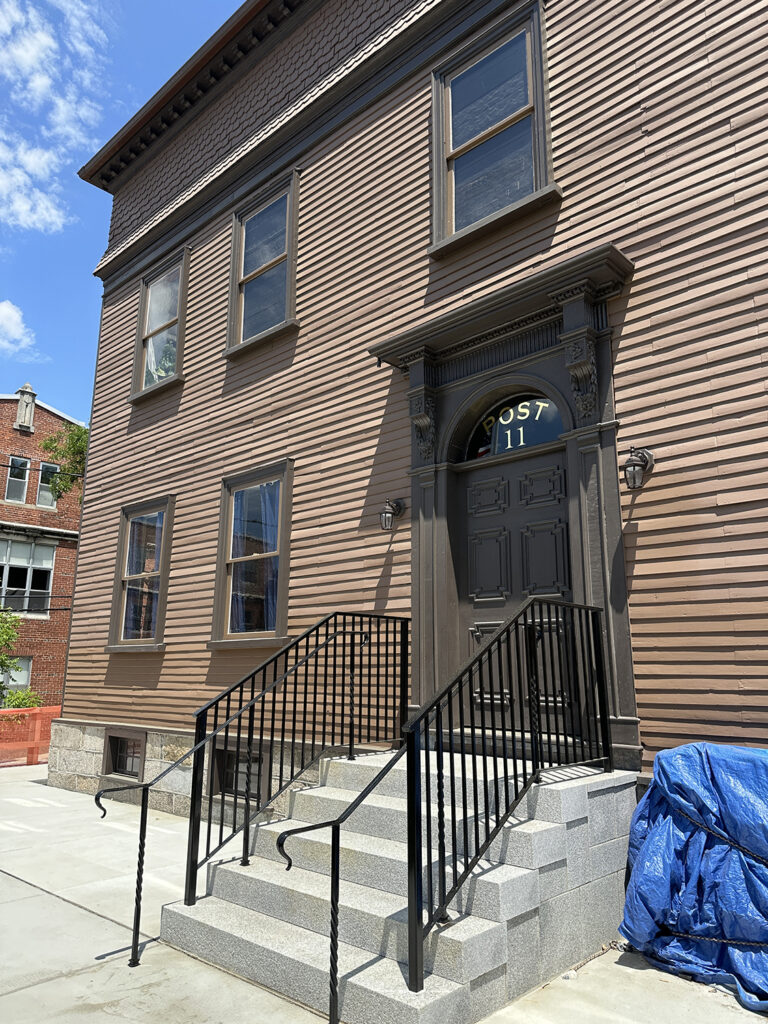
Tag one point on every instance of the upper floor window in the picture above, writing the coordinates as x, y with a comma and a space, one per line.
254, 552
142, 578
26, 570
45, 496
18, 476
161, 327
491, 145
263, 272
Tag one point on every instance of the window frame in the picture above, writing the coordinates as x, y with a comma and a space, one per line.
525, 19
18, 458
285, 187
56, 468
181, 259
8, 681
116, 642
221, 637
26, 613
107, 766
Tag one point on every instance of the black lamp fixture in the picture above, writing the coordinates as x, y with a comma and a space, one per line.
639, 463
392, 511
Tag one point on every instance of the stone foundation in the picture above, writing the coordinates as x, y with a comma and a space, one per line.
77, 759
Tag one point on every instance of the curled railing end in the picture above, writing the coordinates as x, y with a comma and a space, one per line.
99, 804
281, 850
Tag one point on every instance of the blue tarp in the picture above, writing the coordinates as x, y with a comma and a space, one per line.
698, 855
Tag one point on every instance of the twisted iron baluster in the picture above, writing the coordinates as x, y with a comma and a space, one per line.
333, 1008
134, 961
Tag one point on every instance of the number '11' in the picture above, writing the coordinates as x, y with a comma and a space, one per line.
521, 442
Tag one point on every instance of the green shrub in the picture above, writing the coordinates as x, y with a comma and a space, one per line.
23, 699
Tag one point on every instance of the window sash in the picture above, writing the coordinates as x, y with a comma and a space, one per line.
530, 109
20, 678
235, 560
134, 583
244, 278
26, 599
17, 464
147, 361
44, 486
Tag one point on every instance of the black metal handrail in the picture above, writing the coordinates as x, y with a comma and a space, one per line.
342, 682
533, 697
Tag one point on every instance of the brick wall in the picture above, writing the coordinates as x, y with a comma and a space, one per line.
42, 639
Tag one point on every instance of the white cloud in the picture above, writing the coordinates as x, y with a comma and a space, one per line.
17, 341
51, 71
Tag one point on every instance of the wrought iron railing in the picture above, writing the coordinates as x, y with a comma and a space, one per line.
342, 683
533, 697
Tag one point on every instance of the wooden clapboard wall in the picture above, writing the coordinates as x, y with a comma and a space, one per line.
658, 140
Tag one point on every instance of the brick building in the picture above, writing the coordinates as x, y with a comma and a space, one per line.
38, 542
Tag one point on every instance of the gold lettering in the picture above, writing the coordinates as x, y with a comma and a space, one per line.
506, 410
542, 406
524, 410
488, 424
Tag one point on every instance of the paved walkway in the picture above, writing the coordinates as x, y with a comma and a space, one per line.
67, 881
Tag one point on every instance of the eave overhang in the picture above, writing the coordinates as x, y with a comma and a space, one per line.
249, 28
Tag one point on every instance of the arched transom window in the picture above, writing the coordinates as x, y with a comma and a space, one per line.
514, 425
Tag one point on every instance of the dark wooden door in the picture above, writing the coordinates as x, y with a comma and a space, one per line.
514, 539
513, 544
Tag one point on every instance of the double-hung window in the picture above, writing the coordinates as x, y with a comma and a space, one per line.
161, 327
18, 477
142, 577
491, 145
263, 271
253, 553
20, 677
26, 571
45, 496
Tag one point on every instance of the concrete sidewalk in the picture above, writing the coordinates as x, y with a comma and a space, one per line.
67, 881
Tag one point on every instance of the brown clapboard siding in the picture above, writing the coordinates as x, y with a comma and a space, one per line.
658, 125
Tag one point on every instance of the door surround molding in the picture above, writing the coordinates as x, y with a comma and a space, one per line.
548, 333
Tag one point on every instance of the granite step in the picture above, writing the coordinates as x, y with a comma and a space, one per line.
495, 892
293, 961
371, 919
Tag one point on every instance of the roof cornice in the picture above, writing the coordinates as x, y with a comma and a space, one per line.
249, 28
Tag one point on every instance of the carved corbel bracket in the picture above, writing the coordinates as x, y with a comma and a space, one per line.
581, 363
422, 412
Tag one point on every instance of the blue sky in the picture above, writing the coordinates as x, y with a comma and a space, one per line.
72, 72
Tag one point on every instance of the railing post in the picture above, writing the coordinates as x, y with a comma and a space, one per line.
415, 879
602, 688
245, 860
529, 633
134, 961
333, 1005
351, 754
195, 807
403, 676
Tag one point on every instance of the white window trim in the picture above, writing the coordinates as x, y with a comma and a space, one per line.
53, 466
18, 458
25, 614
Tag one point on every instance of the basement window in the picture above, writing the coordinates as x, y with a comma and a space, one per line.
124, 756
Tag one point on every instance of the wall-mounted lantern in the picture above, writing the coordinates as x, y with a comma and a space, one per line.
392, 511
639, 463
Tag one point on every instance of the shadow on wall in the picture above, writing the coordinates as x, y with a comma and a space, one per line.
257, 363
157, 410
495, 251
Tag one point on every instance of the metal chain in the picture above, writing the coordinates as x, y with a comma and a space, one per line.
724, 839
725, 942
